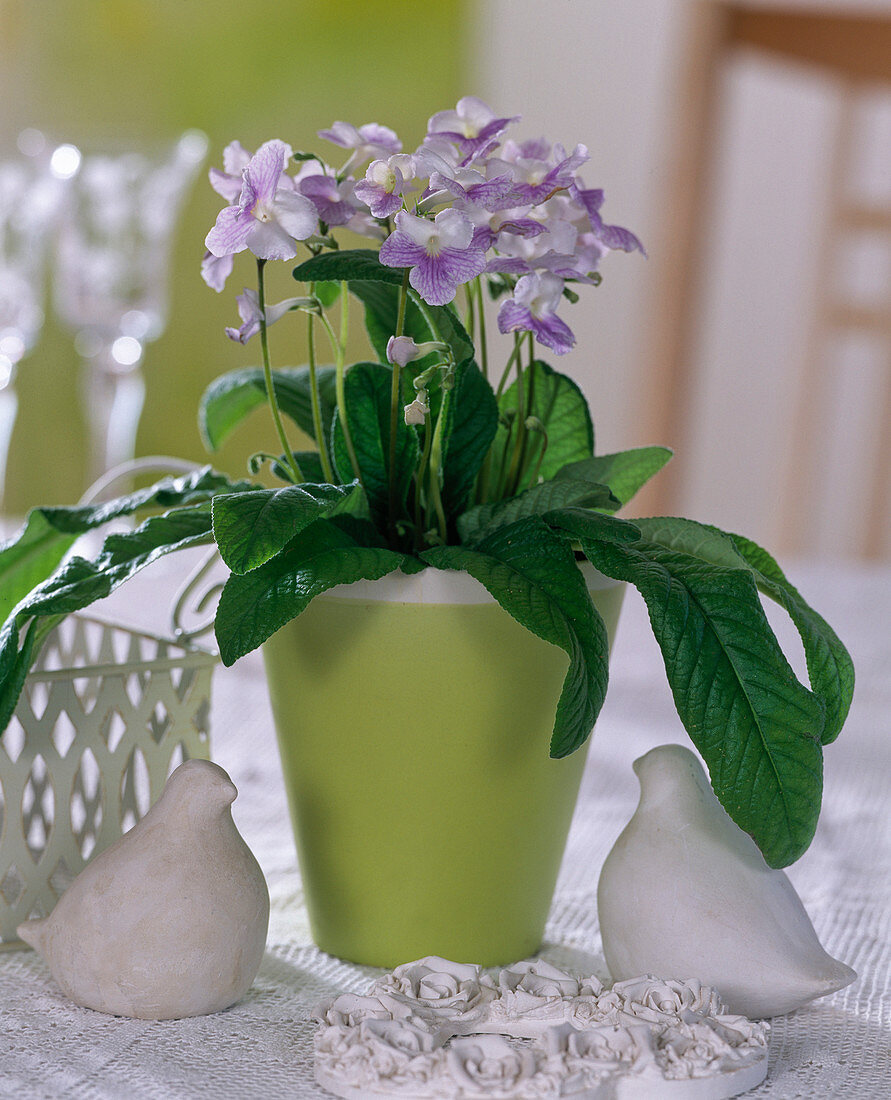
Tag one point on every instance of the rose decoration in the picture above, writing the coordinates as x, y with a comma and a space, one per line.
440, 1030
488, 1065
648, 998
436, 987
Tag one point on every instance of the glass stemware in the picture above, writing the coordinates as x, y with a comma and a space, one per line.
111, 280
31, 188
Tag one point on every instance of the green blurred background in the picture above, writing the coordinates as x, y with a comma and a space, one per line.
117, 75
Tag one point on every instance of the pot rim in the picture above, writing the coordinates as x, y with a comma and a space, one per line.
438, 586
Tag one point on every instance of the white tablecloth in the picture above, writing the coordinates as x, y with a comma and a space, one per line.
838, 1047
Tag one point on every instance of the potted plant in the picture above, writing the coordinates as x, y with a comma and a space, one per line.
441, 479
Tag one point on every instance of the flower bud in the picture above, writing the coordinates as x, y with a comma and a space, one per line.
416, 412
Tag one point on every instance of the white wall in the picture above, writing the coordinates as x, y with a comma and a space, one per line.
595, 72
605, 73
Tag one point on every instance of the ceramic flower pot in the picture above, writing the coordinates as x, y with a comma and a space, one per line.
414, 717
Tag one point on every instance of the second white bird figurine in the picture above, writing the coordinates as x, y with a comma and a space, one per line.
686, 893
171, 920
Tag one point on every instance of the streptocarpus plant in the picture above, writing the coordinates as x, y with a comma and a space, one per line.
430, 453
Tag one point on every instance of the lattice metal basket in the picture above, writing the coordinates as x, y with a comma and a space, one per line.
103, 719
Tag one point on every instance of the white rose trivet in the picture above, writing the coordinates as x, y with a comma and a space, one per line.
439, 1030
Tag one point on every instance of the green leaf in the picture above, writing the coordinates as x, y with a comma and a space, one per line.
232, 396
561, 407
80, 582
534, 576
755, 725
327, 293
36, 550
472, 421
354, 265
250, 528
367, 399
829, 665
624, 472
256, 604
537, 501
29, 558
381, 303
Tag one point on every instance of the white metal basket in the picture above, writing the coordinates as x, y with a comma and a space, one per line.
105, 716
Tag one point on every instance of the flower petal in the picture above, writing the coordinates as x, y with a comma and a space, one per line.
230, 232
235, 158
454, 229
268, 241
512, 317
436, 278
343, 134
229, 186
265, 168
554, 333
399, 250
215, 270
295, 214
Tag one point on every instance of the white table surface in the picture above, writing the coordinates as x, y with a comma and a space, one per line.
262, 1047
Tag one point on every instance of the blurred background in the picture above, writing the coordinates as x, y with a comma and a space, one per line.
747, 144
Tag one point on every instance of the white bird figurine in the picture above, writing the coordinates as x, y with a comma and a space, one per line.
171, 920
686, 893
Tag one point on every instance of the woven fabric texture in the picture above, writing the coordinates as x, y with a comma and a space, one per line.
262, 1047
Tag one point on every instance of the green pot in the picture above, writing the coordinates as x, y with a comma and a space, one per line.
414, 717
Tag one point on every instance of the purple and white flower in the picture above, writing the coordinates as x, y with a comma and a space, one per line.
533, 308
537, 180
332, 200
383, 187
251, 314
269, 215
370, 140
441, 253
613, 237
471, 126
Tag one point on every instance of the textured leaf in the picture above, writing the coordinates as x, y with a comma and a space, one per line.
624, 472
28, 558
472, 420
254, 605
537, 501
309, 464
231, 397
534, 576
755, 725
367, 400
80, 582
250, 528
353, 265
561, 407
327, 293
829, 665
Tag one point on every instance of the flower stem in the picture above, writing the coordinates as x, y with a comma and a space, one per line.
396, 402
314, 399
469, 322
508, 365
436, 464
422, 469
267, 375
513, 473
340, 391
481, 314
